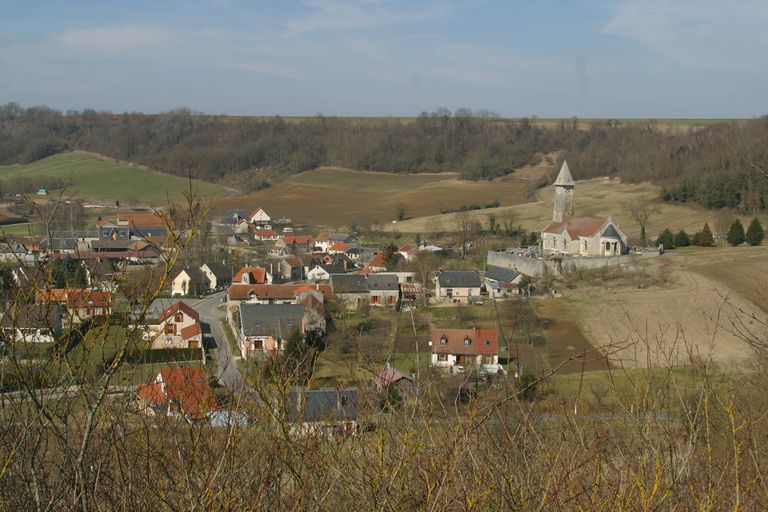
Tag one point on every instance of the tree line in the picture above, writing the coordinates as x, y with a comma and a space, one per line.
719, 165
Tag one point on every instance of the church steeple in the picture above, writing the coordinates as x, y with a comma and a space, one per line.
564, 185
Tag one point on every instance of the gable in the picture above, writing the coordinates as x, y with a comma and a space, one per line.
610, 232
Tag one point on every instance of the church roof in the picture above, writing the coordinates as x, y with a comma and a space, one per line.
577, 226
564, 177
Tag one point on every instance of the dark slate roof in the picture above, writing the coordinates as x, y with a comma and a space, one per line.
196, 275
276, 320
349, 283
219, 270
36, 316
334, 269
112, 245
383, 282
342, 237
501, 274
326, 404
458, 278
610, 232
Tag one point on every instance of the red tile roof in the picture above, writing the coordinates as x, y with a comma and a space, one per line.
481, 341
298, 239
190, 331
256, 275
294, 261
75, 297
183, 389
577, 226
141, 219
339, 246
179, 306
265, 232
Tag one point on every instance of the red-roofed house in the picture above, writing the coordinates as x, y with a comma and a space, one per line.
252, 275
181, 392
338, 248
79, 304
265, 235
465, 347
177, 327
260, 218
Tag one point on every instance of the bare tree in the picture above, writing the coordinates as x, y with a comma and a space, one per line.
642, 213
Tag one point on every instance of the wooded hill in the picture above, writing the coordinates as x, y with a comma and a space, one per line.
717, 165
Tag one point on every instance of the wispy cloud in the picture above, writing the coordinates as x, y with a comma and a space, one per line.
119, 40
339, 15
717, 34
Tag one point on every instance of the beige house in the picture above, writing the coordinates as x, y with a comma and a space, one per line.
177, 327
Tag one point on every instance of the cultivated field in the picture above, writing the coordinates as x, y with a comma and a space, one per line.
332, 196
102, 179
691, 315
599, 197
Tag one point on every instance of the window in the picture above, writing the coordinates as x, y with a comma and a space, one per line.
487, 343
179, 317
443, 340
375, 299
169, 329
467, 342
442, 357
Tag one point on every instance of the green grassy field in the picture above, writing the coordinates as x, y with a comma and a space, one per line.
98, 178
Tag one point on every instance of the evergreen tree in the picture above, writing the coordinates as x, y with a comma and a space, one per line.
390, 256
297, 358
667, 239
755, 233
705, 237
736, 233
682, 239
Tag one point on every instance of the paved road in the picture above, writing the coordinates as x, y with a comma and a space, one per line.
229, 376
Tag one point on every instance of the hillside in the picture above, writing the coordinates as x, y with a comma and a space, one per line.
598, 197
333, 196
97, 178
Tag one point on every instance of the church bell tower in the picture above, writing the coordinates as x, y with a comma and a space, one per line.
564, 184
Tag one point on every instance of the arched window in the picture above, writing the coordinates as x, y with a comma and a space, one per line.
467, 342
443, 340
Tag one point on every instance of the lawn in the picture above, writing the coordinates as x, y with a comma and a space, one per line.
97, 178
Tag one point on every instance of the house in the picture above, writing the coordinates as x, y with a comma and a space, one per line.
363, 289
219, 276
324, 412
395, 378
338, 248
457, 286
502, 282
579, 236
178, 326
190, 281
78, 304
101, 274
377, 263
13, 252
109, 231
407, 252
31, 323
274, 293
464, 347
291, 268
411, 294
252, 275
260, 218
143, 225
263, 329
297, 243
183, 392
241, 227
343, 237
323, 272
265, 235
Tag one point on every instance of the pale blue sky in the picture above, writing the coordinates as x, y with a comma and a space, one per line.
625, 58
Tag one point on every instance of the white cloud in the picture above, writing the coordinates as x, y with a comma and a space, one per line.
716, 34
119, 40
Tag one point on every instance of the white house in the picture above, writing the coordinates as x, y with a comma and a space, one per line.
189, 281
464, 347
457, 286
260, 218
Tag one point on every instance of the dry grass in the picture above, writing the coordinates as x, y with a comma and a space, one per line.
331, 196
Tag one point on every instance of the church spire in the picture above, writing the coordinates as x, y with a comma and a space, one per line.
564, 177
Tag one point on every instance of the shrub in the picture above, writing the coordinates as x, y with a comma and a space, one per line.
682, 239
667, 239
736, 233
705, 237
755, 233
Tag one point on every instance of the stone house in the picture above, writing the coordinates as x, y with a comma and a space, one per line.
457, 286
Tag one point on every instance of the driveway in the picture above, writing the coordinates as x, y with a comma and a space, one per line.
229, 376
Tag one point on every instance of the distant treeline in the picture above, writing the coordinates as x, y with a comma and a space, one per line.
716, 165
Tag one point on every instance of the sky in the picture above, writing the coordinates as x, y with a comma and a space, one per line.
548, 58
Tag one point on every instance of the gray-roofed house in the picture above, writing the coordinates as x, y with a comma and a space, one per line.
342, 237
217, 273
502, 282
358, 289
457, 286
32, 323
190, 281
323, 272
325, 412
263, 329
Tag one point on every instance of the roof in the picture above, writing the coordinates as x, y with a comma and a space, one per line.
219, 270
275, 291
191, 330
564, 177
481, 341
195, 274
277, 320
342, 237
378, 260
256, 275
390, 376
75, 297
293, 261
185, 389
312, 405
577, 226
349, 283
180, 306
141, 219
31, 315
298, 239
504, 275
259, 209
265, 232
459, 278
383, 282
338, 246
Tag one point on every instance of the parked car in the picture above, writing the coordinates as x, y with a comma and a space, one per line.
457, 369
492, 369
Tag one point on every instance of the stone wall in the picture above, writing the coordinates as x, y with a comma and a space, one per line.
538, 267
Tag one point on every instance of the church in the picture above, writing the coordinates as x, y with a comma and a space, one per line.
579, 236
